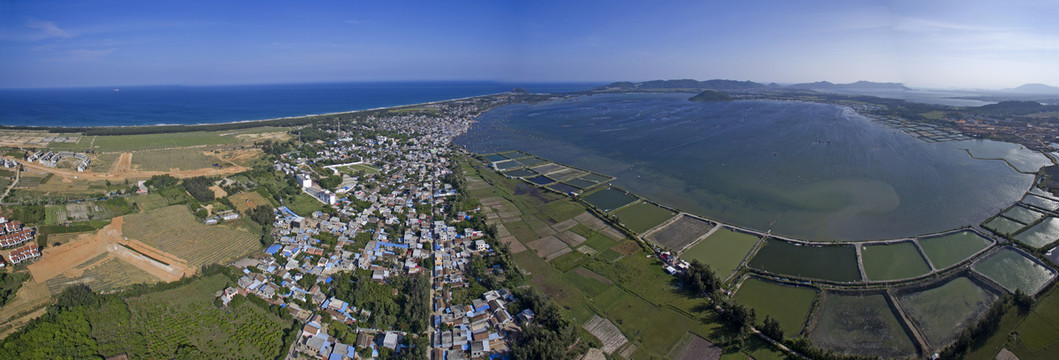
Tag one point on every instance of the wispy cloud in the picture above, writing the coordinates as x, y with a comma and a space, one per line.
82, 55
48, 29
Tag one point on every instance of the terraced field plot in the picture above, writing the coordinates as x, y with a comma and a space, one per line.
893, 261
1040, 235
1012, 270
643, 216
680, 233
174, 230
788, 304
1003, 226
940, 312
947, 250
828, 262
723, 250
609, 199
107, 274
860, 324
1022, 215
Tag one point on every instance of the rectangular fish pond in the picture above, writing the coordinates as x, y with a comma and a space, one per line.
788, 304
1022, 214
894, 261
1040, 235
827, 262
1013, 270
862, 324
1040, 202
643, 216
1003, 226
722, 251
609, 199
947, 250
940, 312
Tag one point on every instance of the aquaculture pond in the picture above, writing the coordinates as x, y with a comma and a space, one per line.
1003, 226
723, 250
1040, 235
893, 261
1013, 270
788, 304
941, 312
831, 174
609, 199
947, 250
643, 216
860, 324
1022, 214
827, 262
1043, 203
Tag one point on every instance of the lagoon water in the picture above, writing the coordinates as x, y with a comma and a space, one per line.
810, 171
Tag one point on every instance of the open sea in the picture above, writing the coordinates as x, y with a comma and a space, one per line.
154, 105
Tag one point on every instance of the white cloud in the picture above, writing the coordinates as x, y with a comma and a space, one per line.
48, 29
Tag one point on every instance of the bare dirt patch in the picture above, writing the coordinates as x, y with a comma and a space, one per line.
513, 244
547, 247
571, 238
693, 347
627, 247
680, 233
218, 192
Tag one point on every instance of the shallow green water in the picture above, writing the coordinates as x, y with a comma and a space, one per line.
1015, 271
790, 305
1003, 225
805, 170
828, 262
945, 251
860, 324
723, 250
1044, 233
893, 261
942, 311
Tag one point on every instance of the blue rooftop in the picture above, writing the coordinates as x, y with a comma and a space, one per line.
273, 249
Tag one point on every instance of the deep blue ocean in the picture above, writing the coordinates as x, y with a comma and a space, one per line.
153, 105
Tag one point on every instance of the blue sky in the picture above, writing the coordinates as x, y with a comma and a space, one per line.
957, 44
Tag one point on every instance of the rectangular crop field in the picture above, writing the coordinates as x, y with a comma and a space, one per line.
111, 143
947, 250
149, 202
245, 201
1015, 271
940, 312
680, 233
643, 216
1040, 235
788, 304
722, 251
829, 262
860, 324
183, 159
174, 230
893, 261
102, 163
609, 199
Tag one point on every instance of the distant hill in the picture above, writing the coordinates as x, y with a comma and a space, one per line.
1015, 108
710, 96
683, 85
860, 85
1035, 89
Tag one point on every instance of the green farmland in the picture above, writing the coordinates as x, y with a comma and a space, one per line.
723, 250
788, 304
643, 216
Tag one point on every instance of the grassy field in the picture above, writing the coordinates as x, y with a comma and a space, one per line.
860, 324
643, 216
1038, 332
945, 251
162, 141
893, 261
174, 230
149, 202
723, 250
358, 168
156, 325
304, 204
102, 162
941, 311
790, 305
183, 159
